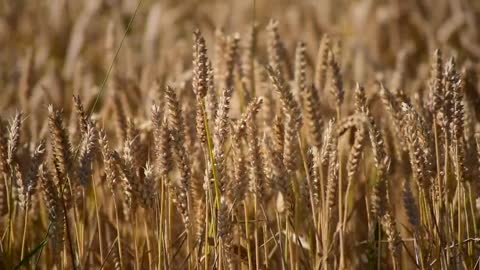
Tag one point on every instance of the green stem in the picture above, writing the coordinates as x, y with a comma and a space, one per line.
100, 242
118, 233
24, 228
210, 153
247, 232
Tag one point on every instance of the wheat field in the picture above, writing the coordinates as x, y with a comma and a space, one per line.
329, 134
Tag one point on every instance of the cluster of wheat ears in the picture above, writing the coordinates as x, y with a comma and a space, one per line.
128, 150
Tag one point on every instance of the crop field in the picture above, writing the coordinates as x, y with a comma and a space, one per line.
243, 135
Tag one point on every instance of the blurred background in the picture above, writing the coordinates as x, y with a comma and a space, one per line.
69, 36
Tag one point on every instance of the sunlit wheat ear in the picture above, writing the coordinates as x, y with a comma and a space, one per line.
308, 189
410, 206
198, 201
225, 231
149, 187
333, 169
162, 140
81, 115
129, 178
356, 151
222, 119
436, 83
327, 142
88, 150
252, 110
393, 236
253, 149
452, 80
349, 122
289, 104
138, 149
200, 69
53, 201
300, 67
281, 183
313, 119
247, 61
379, 191
174, 114
231, 60
238, 186
275, 47
315, 167
181, 159
3, 145
335, 76
200, 82
381, 160
291, 147
418, 141
393, 108
109, 160
211, 100
62, 155
219, 136
200, 131
458, 126
376, 139
29, 181
180, 155
321, 64
13, 138
17, 177
255, 162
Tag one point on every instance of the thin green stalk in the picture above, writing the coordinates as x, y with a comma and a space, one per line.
265, 248
312, 204
340, 203
147, 240
472, 214
437, 159
77, 222
379, 248
247, 232
104, 82
289, 244
296, 192
255, 232
325, 225
69, 238
100, 242
159, 223
459, 193
168, 226
206, 244
279, 229
210, 153
25, 228
118, 232
467, 224
135, 240
11, 209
